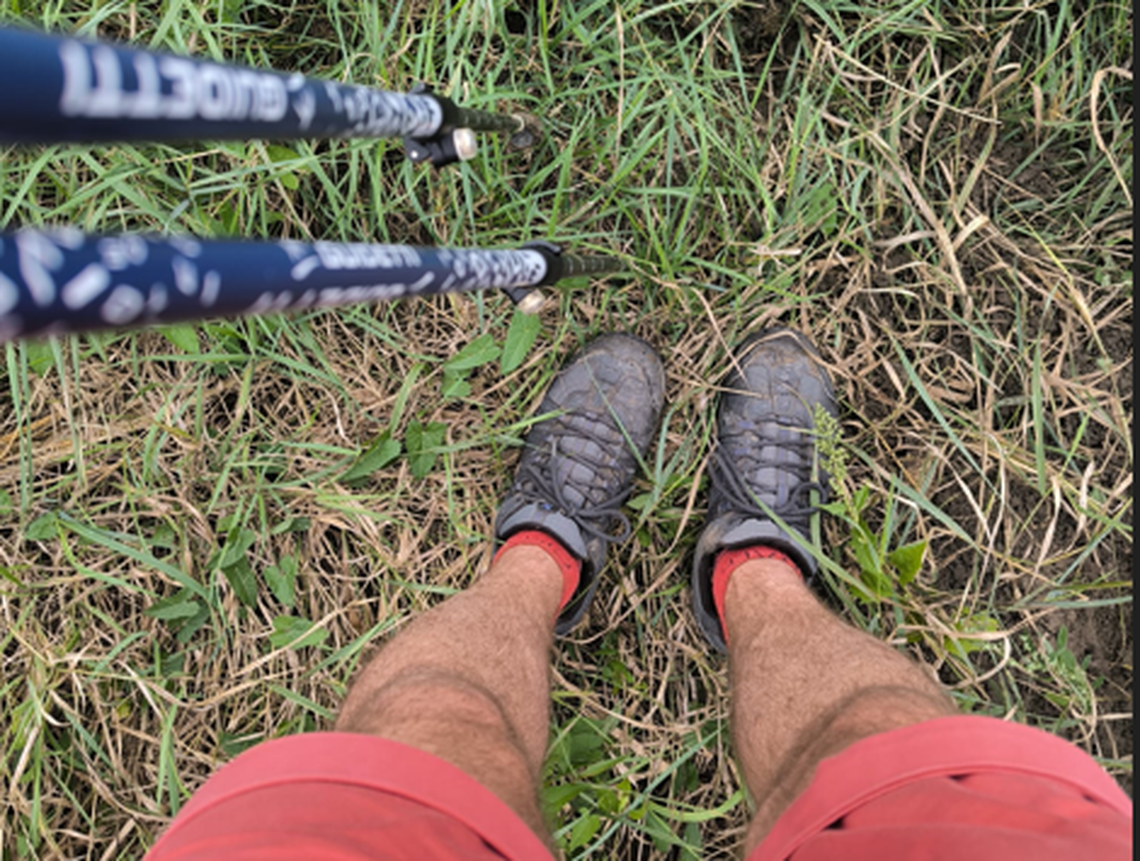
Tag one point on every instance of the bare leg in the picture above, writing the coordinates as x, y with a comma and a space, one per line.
806, 685
469, 681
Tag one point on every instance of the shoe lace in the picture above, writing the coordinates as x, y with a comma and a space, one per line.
728, 475
537, 482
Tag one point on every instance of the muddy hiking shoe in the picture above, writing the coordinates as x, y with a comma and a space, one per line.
578, 465
763, 460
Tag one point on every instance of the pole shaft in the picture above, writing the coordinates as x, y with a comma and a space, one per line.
64, 281
62, 89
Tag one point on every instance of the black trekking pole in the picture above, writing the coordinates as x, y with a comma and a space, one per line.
55, 90
64, 281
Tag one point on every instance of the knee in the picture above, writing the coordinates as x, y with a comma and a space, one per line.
457, 720
872, 710
422, 696
863, 713
866, 712
445, 715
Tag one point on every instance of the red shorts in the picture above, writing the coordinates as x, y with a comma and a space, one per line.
954, 788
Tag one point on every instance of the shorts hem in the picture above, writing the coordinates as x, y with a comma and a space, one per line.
963, 744
375, 763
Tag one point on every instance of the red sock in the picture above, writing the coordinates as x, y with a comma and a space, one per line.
728, 561
571, 568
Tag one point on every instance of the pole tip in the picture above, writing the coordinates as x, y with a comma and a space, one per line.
528, 133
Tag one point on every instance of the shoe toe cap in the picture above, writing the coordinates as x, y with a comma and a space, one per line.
621, 375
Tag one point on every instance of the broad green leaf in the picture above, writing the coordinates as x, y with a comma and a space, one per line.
172, 665
39, 356
821, 208
177, 606
237, 542
232, 744
454, 385
286, 629
865, 554
480, 351
421, 441
183, 336
278, 153
608, 801
192, 625
521, 334
228, 217
693, 847
659, 830
43, 528
406, 389
381, 453
240, 576
292, 524
282, 578
972, 624
583, 830
837, 509
908, 560
163, 536
587, 743
641, 501
879, 584
554, 798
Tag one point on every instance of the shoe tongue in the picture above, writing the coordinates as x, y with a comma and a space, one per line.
773, 471
765, 480
573, 469
569, 476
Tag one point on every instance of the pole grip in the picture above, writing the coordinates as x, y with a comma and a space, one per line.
62, 89
64, 281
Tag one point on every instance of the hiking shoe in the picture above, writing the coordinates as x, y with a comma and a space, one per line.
578, 465
763, 460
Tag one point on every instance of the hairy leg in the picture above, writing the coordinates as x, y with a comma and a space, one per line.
469, 681
806, 685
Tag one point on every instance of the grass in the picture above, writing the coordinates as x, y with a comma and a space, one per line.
204, 530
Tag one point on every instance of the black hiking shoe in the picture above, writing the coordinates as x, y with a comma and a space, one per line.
577, 466
763, 460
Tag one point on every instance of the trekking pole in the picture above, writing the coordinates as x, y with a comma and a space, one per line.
55, 90
64, 281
